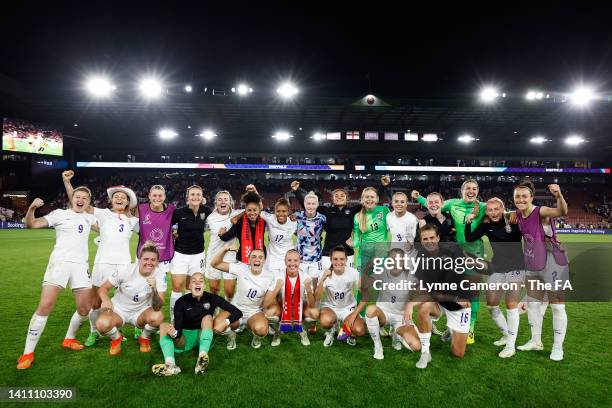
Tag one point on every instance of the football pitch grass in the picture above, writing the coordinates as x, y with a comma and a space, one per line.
293, 375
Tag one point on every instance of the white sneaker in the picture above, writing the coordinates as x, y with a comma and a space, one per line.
556, 354
231, 340
256, 342
201, 363
424, 360
384, 332
501, 342
304, 338
351, 341
276, 339
329, 338
531, 346
395, 342
507, 352
378, 352
165, 370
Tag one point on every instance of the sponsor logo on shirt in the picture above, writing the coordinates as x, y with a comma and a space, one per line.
147, 219
379, 216
206, 305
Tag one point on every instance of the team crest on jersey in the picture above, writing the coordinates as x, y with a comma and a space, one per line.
347, 212
202, 216
157, 234
379, 216
206, 305
147, 219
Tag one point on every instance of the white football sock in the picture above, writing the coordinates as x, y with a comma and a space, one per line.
535, 320
374, 329
425, 339
93, 318
147, 331
113, 333
513, 325
75, 322
559, 324
35, 329
174, 296
499, 319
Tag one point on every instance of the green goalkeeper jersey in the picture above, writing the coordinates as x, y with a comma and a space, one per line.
459, 210
376, 221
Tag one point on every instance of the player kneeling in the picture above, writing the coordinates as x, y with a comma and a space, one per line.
437, 302
294, 287
393, 296
193, 326
252, 284
338, 282
136, 301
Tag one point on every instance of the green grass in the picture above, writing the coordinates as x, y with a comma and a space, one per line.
292, 374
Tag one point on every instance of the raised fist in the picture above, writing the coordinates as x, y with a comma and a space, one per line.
385, 181
67, 175
37, 203
415, 194
555, 190
295, 185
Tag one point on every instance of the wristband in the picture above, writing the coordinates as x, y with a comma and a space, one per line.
228, 321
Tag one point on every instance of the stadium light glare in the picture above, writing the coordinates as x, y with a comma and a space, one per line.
100, 87
574, 140
318, 136
287, 90
282, 136
150, 87
538, 140
488, 94
534, 95
208, 134
429, 137
242, 89
167, 133
581, 96
188, 88
466, 138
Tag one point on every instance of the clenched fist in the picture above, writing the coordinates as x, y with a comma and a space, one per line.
37, 203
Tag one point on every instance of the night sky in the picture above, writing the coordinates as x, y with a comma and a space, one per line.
440, 52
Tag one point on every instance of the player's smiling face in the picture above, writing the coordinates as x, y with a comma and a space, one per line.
256, 261
223, 203
157, 197
338, 261
310, 205
522, 198
400, 203
469, 192
120, 201
494, 211
281, 212
80, 201
292, 263
434, 204
430, 240
339, 198
196, 284
369, 199
194, 197
252, 211
147, 262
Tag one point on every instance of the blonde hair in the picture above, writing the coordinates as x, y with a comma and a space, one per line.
157, 187
311, 194
361, 216
228, 194
498, 201
149, 246
83, 189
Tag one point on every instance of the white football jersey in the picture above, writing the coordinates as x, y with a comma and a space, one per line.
250, 289
280, 237
115, 233
339, 289
214, 222
393, 299
404, 228
132, 290
71, 235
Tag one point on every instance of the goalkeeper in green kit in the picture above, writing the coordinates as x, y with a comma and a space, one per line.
459, 209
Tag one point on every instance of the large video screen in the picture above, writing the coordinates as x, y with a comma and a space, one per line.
22, 136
